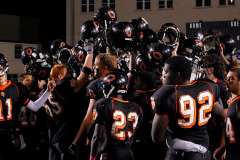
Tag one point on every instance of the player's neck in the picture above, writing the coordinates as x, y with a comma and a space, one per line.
186, 82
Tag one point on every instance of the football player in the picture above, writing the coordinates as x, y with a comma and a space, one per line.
13, 97
232, 134
145, 85
59, 106
182, 109
117, 117
103, 64
215, 69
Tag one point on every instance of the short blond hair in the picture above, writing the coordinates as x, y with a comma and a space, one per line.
56, 70
106, 60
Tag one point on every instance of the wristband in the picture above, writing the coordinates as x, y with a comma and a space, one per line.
86, 70
92, 158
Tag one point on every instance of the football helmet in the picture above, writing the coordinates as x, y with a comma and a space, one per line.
169, 34
63, 54
90, 31
208, 37
182, 39
56, 44
144, 39
121, 36
28, 55
228, 43
194, 47
142, 63
115, 82
139, 23
5, 67
158, 53
106, 16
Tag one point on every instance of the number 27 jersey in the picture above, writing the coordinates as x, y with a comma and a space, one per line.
188, 108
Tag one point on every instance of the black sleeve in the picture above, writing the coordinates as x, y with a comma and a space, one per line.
94, 90
160, 98
102, 111
23, 93
224, 94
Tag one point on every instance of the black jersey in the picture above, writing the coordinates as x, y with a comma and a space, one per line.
120, 118
188, 108
93, 90
224, 93
142, 99
58, 108
232, 139
12, 97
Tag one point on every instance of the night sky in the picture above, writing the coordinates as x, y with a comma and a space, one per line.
51, 13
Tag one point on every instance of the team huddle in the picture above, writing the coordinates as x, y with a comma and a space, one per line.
124, 92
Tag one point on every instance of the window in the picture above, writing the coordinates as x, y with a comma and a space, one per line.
12, 77
203, 3
87, 5
143, 4
165, 4
18, 51
109, 3
226, 2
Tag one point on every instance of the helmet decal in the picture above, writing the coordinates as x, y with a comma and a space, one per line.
128, 32
110, 78
143, 67
42, 73
141, 35
96, 24
199, 43
62, 44
111, 14
29, 51
81, 57
157, 55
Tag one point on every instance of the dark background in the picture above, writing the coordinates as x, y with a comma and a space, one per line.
51, 15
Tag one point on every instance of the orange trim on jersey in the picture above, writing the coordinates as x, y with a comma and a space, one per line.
24, 103
138, 107
162, 115
5, 85
146, 91
17, 90
212, 91
119, 100
59, 95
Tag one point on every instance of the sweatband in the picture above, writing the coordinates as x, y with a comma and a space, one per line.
86, 70
92, 158
36, 105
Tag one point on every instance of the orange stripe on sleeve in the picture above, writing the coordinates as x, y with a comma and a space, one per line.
26, 101
162, 115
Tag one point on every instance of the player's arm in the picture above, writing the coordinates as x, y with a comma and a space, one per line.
96, 140
36, 105
159, 128
86, 69
218, 112
86, 124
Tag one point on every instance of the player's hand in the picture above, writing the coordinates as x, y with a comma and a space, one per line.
218, 153
50, 87
73, 149
88, 47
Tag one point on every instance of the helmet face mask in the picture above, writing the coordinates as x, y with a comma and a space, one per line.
4, 67
169, 34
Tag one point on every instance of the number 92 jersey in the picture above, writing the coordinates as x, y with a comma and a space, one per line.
188, 108
120, 118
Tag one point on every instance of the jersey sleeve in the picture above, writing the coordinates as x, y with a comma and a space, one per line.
224, 94
160, 100
23, 94
102, 111
93, 90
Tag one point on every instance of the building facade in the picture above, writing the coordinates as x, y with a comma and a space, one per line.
155, 12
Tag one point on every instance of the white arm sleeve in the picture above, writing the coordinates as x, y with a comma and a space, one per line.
36, 105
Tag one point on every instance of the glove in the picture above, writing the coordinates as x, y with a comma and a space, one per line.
73, 149
88, 47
